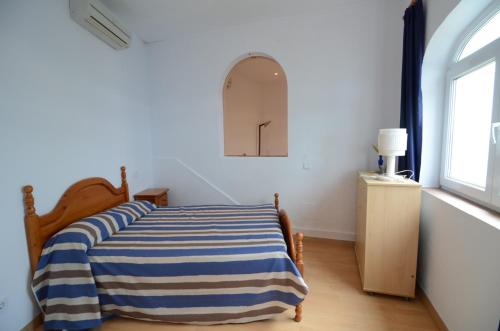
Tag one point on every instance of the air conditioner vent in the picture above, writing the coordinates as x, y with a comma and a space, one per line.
96, 18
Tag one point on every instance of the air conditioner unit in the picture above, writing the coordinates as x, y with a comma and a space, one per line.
95, 17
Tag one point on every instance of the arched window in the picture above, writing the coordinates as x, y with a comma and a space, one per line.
487, 33
473, 114
255, 109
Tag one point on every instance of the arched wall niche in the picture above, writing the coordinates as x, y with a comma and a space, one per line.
255, 107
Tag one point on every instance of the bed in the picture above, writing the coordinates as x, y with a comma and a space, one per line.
96, 255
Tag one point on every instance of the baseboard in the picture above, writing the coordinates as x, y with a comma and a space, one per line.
432, 311
34, 324
326, 234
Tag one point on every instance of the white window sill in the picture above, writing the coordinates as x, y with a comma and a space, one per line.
481, 213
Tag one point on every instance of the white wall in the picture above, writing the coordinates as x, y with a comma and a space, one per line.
433, 84
458, 252
435, 13
343, 69
459, 266
70, 107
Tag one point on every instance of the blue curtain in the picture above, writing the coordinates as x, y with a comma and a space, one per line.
411, 93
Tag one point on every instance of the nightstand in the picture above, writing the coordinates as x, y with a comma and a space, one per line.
158, 196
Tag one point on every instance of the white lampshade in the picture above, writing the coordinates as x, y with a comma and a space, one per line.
392, 142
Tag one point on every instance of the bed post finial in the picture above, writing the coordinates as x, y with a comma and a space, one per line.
277, 201
299, 261
124, 174
29, 201
124, 181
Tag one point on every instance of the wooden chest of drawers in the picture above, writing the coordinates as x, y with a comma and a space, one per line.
388, 216
158, 196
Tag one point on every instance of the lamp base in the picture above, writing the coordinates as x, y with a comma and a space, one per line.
390, 170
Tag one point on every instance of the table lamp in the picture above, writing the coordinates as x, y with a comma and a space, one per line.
391, 143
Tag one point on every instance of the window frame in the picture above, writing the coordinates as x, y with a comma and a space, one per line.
456, 69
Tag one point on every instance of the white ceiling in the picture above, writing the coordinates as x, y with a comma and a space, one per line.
156, 20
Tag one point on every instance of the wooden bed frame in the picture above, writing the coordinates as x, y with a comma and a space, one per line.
92, 195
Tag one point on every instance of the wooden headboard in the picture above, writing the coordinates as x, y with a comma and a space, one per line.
82, 199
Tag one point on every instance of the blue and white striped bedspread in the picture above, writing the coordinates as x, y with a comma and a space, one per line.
197, 264
63, 283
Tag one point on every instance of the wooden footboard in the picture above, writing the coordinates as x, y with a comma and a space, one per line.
295, 246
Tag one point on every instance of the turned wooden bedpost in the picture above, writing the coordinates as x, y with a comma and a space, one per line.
124, 182
299, 262
32, 226
299, 237
295, 247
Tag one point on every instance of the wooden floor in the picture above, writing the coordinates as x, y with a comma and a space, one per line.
335, 302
